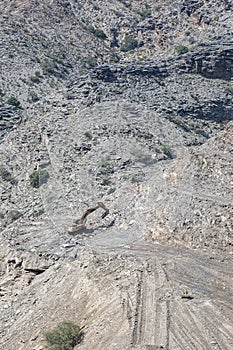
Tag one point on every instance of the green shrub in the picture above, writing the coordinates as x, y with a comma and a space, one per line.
14, 214
181, 49
167, 151
64, 337
38, 178
32, 96
90, 62
129, 43
99, 33
38, 213
145, 13
13, 102
111, 190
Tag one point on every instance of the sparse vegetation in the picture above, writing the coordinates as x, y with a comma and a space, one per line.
105, 180
38, 213
13, 101
14, 214
137, 178
111, 190
35, 79
64, 337
166, 149
49, 67
129, 43
99, 33
38, 178
145, 13
181, 49
90, 62
32, 96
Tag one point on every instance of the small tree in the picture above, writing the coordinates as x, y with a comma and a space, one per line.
64, 337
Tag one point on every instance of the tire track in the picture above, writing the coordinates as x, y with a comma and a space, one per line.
197, 327
152, 313
137, 325
186, 329
220, 336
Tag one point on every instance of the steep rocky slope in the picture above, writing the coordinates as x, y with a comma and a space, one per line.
42, 42
128, 103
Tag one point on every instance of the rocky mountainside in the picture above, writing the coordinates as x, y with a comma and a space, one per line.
127, 104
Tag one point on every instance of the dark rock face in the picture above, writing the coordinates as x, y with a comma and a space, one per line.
10, 117
209, 60
215, 62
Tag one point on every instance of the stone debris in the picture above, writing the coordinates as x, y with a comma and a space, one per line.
126, 104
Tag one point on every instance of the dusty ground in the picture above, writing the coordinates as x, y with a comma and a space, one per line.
128, 298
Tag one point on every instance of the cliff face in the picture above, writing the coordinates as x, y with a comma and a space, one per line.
127, 103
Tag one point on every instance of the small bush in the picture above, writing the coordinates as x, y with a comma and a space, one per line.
49, 67
129, 43
99, 33
38, 213
13, 102
137, 178
5, 174
38, 178
64, 337
111, 190
14, 214
32, 96
90, 62
105, 181
145, 13
36, 78
167, 151
181, 49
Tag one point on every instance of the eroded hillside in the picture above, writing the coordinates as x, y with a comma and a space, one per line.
128, 104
